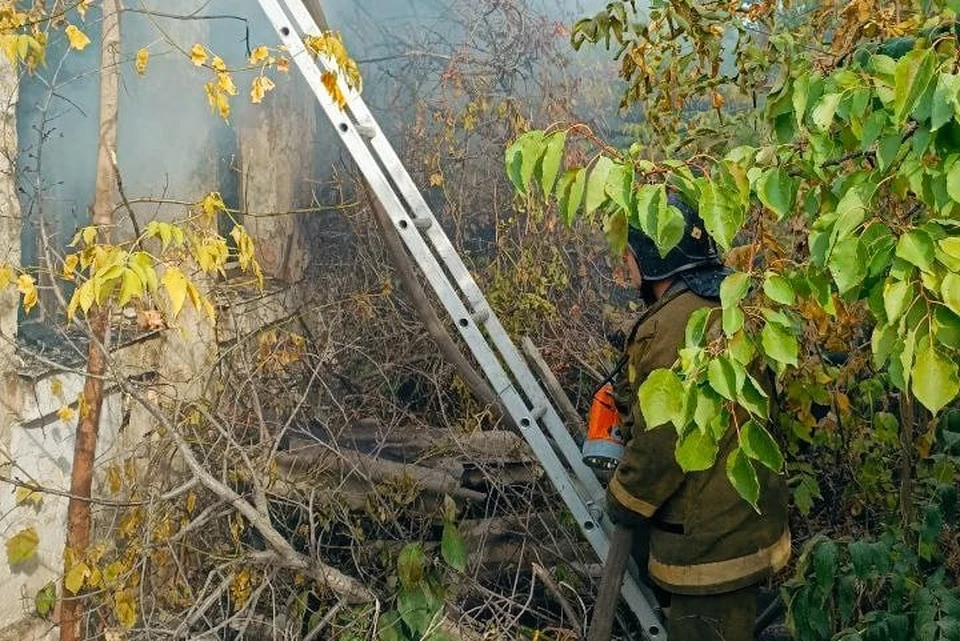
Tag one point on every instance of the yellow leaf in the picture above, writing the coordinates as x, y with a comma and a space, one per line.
211, 204
66, 413
176, 284
95, 579
191, 502
76, 575
329, 80
85, 296
125, 608
10, 45
82, 7
143, 58
56, 387
25, 495
259, 55
283, 64
436, 179
27, 286
218, 64
225, 84
70, 264
198, 55
22, 546
142, 264
132, 287
78, 40
114, 479
261, 86
89, 235
6, 276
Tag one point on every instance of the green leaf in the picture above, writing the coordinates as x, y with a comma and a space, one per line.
851, 210
670, 229
571, 196
743, 476
732, 320
935, 380
697, 451
620, 185
662, 222
733, 289
778, 191
825, 565
757, 443
881, 343
778, 289
848, 264
452, 547
597, 185
722, 378
779, 344
912, 75
661, 398
45, 599
410, 565
897, 295
950, 290
552, 158
697, 327
416, 609
390, 627
944, 100
824, 111
807, 490
801, 95
916, 247
722, 214
22, 546
707, 408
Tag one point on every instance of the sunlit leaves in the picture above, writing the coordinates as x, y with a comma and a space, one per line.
22, 546
661, 398
597, 185
552, 159
175, 283
778, 289
721, 210
27, 287
777, 190
697, 450
912, 76
758, 444
329, 79
329, 44
779, 343
198, 55
142, 60
76, 38
935, 380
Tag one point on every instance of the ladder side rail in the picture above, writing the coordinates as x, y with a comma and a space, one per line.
462, 276
487, 359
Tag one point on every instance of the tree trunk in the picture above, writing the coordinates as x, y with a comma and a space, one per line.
81, 479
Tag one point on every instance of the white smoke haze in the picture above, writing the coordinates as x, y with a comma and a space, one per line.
170, 143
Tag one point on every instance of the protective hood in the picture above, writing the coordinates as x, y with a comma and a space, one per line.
706, 281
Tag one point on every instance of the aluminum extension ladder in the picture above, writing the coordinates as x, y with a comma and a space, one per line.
493, 349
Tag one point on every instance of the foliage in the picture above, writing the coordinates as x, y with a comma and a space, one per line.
819, 142
420, 597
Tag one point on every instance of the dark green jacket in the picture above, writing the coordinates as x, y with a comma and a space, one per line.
705, 539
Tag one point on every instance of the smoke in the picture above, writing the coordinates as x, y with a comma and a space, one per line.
170, 144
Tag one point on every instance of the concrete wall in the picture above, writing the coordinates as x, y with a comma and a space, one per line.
170, 146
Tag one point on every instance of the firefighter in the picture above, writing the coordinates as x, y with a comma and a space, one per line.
701, 544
